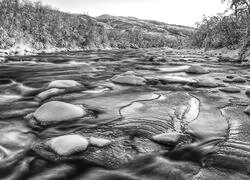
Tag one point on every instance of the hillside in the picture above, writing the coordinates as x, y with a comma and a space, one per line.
140, 33
39, 27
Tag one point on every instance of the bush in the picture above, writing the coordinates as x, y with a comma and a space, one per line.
219, 31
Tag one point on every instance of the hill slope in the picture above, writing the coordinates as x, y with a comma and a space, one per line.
42, 27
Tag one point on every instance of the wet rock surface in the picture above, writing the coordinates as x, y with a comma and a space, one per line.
121, 114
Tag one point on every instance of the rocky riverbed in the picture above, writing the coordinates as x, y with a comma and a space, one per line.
124, 114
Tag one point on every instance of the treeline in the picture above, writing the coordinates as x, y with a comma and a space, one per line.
219, 31
43, 27
231, 30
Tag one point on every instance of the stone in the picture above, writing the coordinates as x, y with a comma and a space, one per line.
167, 138
247, 110
49, 93
206, 84
6, 81
99, 142
84, 68
248, 91
230, 89
57, 111
68, 144
176, 79
197, 69
239, 80
230, 76
129, 79
63, 84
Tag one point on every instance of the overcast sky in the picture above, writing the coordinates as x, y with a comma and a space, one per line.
183, 12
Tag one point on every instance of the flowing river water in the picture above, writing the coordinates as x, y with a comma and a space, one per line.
124, 114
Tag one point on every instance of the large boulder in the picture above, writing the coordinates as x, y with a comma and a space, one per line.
197, 69
68, 144
57, 111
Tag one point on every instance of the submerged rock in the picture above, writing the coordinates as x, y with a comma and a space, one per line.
239, 80
84, 68
99, 142
197, 69
57, 111
6, 81
63, 84
129, 79
176, 79
247, 110
167, 138
248, 91
230, 89
203, 83
49, 93
68, 144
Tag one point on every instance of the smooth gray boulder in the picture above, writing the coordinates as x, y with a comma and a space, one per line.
68, 144
57, 111
197, 69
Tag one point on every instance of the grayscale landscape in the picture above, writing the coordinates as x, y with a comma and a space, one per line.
114, 97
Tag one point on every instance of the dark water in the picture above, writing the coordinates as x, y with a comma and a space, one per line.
169, 101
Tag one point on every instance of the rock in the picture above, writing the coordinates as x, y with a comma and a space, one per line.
57, 111
176, 79
206, 84
49, 93
230, 89
196, 69
247, 110
230, 76
63, 84
99, 142
129, 79
6, 81
239, 80
248, 91
167, 138
68, 144
228, 80
84, 67
2, 59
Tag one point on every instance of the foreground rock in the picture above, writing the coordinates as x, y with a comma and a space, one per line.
68, 144
197, 69
141, 127
56, 111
